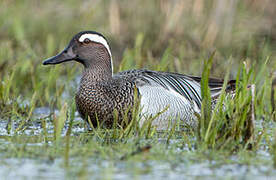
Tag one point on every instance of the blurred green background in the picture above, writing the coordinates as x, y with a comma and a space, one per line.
159, 35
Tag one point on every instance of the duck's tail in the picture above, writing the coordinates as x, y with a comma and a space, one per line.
216, 85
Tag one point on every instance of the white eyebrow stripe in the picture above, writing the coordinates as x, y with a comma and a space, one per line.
98, 39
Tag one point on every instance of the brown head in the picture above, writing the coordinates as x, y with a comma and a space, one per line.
89, 48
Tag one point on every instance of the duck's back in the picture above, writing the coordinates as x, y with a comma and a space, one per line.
176, 96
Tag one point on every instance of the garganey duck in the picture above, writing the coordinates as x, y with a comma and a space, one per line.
101, 92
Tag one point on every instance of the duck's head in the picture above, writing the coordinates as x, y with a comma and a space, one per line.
87, 47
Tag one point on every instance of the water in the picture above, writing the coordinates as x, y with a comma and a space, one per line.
15, 168
180, 167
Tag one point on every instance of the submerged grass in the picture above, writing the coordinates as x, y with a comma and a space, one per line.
163, 35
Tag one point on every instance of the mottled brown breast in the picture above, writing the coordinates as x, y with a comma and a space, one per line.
101, 99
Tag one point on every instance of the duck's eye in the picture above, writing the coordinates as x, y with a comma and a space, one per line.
86, 41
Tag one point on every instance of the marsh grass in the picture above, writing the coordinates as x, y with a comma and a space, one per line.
230, 123
159, 36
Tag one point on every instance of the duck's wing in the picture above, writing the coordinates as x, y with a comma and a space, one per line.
215, 85
186, 86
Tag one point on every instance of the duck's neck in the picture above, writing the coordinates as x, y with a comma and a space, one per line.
97, 72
